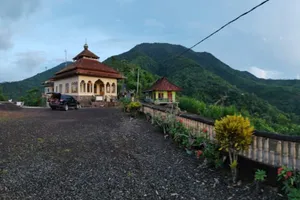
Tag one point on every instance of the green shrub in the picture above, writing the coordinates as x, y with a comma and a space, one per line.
184, 138
212, 154
291, 182
234, 134
33, 97
133, 107
164, 122
259, 177
125, 102
192, 105
267, 120
2, 97
211, 111
179, 133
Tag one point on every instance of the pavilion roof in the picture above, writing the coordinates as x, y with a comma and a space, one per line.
163, 84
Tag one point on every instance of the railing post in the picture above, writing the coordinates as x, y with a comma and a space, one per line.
266, 150
293, 156
210, 129
286, 153
260, 149
278, 153
254, 150
298, 157
272, 158
265, 147
250, 150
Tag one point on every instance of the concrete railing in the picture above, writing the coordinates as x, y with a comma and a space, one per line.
268, 148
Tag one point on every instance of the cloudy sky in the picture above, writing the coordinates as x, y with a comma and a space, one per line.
35, 33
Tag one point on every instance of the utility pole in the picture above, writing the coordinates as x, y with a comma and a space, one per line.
66, 57
138, 80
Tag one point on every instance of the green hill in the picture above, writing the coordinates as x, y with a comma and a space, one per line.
204, 77
273, 103
200, 72
14, 90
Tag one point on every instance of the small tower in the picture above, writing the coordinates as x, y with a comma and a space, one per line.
86, 53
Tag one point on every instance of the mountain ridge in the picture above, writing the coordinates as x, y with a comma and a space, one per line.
16, 89
263, 88
205, 65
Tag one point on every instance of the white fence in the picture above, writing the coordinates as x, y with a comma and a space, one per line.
268, 148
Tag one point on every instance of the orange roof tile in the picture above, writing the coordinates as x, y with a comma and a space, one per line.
87, 65
86, 53
163, 84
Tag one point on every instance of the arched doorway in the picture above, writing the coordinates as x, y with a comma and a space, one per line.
99, 88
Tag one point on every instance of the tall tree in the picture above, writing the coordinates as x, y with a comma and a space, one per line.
33, 97
2, 97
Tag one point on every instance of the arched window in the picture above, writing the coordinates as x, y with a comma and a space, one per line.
82, 86
67, 88
74, 88
60, 88
89, 87
113, 88
107, 87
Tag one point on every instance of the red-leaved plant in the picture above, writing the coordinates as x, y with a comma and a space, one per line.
291, 182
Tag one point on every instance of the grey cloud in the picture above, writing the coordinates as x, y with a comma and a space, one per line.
279, 30
16, 9
11, 11
5, 38
22, 65
262, 73
29, 61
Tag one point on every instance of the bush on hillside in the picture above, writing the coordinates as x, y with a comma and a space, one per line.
277, 123
2, 97
199, 107
33, 97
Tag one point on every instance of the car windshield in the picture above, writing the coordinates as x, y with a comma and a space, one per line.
55, 96
65, 97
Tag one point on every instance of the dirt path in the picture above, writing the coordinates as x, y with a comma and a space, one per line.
101, 154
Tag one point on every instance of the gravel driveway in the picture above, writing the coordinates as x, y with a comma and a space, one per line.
101, 154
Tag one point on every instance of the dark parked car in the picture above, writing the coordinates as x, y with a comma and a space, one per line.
62, 101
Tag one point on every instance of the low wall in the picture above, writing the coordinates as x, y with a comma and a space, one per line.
268, 148
104, 104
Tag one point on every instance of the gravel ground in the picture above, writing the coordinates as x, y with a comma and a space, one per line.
6, 106
102, 154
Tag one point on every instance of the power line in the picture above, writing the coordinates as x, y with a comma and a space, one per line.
245, 13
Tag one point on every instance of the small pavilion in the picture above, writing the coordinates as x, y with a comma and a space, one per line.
162, 92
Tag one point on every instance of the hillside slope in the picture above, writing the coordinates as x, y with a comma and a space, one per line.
14, 90
284, 94
200, 74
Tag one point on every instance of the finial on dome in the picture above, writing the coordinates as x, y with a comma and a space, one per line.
85, 45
